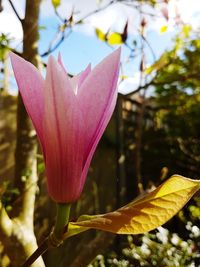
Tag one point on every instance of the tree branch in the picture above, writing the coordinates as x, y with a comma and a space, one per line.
28, 198
151, 83
6, 224
26, 147
38, 252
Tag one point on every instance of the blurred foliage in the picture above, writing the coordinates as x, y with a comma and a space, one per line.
181, 67
9, 193
192, 213
159, 248
195, 209
4, 45
171, 126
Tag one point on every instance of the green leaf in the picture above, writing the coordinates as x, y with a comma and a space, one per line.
56, 3
144, 214
4, 45
41, 167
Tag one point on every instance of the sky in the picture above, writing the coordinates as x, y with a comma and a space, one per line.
82, 46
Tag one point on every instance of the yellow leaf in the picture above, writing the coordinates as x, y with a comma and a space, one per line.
163, 29
114, 38
74, 230
186, 30
123, 77
100, 34
144, 214
56, 3
160, 63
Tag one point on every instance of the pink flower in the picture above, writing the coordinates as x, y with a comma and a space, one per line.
69, 115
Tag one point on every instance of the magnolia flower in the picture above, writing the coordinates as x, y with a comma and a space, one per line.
69, 115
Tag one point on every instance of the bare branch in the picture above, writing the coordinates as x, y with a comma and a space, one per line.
53, 48
68, 25
151, 49
96, 11
15, 11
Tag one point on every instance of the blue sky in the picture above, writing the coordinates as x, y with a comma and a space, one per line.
82, 47
77, 50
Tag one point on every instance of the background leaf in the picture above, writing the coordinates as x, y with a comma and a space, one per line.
147, 213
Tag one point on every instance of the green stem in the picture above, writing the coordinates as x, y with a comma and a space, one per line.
62, 219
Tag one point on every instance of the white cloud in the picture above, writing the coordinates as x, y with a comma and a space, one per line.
86, 29
130, 84
79, 7
190, 11
9, 23
19, 6
115, 16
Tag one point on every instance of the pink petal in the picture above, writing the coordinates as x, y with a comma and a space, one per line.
30, 84
84, 74
64, 135
60, 61
77, 80
99, 133
97, 99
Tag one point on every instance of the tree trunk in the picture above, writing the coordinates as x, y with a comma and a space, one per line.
26, 145
19, 240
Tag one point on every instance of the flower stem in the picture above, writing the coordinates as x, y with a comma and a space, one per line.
62, 219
